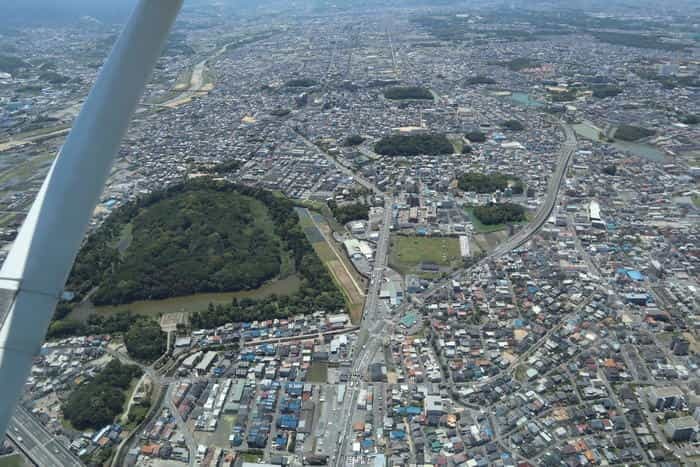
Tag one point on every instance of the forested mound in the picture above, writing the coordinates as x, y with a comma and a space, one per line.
199, 236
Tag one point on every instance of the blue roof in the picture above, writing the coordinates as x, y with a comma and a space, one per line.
631, 273
413, 410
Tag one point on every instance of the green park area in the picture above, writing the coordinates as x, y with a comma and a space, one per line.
431, 144
12, 460
489, 183
408, 93
495, 217
96, 403
409, 252
195, 241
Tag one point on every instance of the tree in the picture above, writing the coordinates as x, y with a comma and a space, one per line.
145, 341
408, 92
480, 79
489, 183
512, 125
94, 404
632, 133
499, 213
301, 83
690, 119
349, 212
610, 170
414, 145
353, 140
475, 136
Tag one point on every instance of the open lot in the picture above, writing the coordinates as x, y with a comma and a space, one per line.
12, 460
408, 253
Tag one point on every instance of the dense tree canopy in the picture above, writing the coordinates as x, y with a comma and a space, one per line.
642, 41
201, 236
96, 403
610, 169
280, 112
632, 133
301, 83
690, 119
353, 140
224, 167
513, 125
521, 63
602, 91
349, 212
118, 323
499, 213
318, 292
221, 214
408, 92
414, 145
480, 79
10, 64
144, 340
489, 183
475, 136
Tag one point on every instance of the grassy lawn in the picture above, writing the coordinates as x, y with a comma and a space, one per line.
696, 201
13, 460
318, 373
409, 252
250, 457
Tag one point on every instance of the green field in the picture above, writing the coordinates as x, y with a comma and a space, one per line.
13, 460
408, 253
318, 373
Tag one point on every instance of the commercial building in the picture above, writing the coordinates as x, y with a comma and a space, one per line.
667, 397
681, 429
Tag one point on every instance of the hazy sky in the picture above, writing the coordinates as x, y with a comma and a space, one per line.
43, 10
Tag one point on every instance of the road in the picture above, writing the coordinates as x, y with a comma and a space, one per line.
37, 443
342, 168
372, 324
546, 209
523, 236
189, 437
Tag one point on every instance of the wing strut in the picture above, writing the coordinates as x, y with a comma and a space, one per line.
34, 274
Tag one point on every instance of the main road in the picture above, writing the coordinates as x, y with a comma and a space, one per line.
38, 444
371, 326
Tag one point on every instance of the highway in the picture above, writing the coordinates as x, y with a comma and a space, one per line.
545, 211
37, 443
